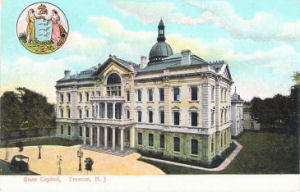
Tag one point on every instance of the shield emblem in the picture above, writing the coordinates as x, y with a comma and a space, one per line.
42, 30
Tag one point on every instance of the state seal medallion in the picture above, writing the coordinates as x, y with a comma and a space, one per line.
42, 28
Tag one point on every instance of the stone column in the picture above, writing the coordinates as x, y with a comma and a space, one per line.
84, 135
98, 136
113, 139
122, 139
91, 136
105, 137
105, 108
113, 111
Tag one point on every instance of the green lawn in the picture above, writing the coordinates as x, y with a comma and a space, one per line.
262, 153
48, 141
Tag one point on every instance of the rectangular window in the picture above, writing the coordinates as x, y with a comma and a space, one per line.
118, 110
162, 117
80, 97
87, 96
194, 116
139, 95
150, 94
61, 97
69, 97
109, 110
87, 113
139, 116
140, 138
150, 139
69, 130
176, 144
176, 92
176, 117
128, 95
194, 93
80, 131
69, 113
80, 114
102, 110
61, 113
150, 117
128, 114
161, 94
162, 141
194, 146
62, 129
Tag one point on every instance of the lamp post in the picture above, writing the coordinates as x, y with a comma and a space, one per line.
40, 147
59, 164
79, 155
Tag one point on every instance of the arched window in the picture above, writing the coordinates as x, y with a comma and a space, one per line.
113, 85
113, 79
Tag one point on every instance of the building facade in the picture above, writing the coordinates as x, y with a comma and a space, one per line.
249, 122
237, 117
174, 105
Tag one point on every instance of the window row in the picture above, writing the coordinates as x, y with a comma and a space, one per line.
176, 142
193, 116
62, 130
194, 94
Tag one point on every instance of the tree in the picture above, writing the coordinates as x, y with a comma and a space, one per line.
296, 77
38, 113
11, 113
25, 109
276, 112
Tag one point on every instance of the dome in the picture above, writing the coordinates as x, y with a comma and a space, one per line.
160, 50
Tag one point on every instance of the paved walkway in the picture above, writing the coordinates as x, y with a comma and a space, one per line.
104, 164
221, 167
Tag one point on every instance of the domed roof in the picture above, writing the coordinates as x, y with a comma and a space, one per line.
160, 49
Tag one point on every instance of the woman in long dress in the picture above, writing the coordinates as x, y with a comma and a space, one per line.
55, 35
30, 26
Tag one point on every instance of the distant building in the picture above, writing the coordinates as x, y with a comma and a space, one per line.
174, 105
236, 114
249, 122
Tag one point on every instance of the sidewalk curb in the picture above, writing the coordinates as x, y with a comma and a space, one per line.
221, 167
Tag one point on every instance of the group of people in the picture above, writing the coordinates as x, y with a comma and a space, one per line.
54, 18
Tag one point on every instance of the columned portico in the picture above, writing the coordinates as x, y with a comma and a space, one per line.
107, 138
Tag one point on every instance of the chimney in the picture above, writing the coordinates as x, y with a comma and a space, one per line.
67, 74
185, 57
143, 62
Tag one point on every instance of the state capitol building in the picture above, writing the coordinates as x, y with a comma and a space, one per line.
176, 105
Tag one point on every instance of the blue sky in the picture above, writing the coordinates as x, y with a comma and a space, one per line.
258, 39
